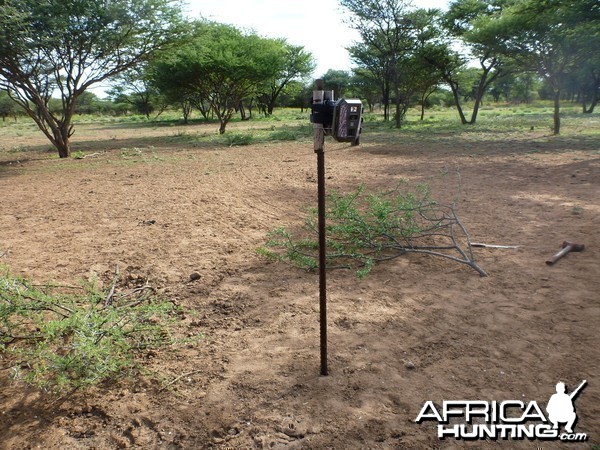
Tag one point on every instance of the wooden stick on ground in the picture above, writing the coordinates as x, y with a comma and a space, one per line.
179, 378
479, 244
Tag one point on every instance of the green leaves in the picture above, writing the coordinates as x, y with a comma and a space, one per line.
58, 342
221, 66
366, 228
360, 226
66, 46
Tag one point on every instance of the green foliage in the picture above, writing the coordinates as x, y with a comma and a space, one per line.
58, 342
238, 139
7, 106
553, 38
365, 228
283, 135
67, 46
220, 66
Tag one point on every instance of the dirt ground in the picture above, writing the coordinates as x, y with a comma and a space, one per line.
416, 329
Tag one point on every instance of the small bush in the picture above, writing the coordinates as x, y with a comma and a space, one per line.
235, 139
283, 135
58, 342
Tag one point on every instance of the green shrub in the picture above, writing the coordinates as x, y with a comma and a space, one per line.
283, 135
366, 228
57, 341
235, 139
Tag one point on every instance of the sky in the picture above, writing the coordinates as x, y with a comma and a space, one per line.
317, 25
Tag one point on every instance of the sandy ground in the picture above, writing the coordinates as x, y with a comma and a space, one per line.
417, 329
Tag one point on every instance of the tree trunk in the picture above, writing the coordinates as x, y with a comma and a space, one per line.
484, 82
64, 150
385, 92
62, 137
593, 103
424, 97
454, 89
556, 130
590, 110
242, 111
475, 110
398, 111
186, 108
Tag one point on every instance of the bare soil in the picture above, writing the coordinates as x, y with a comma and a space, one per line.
416, 329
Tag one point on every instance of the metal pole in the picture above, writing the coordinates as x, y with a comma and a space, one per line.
319, 144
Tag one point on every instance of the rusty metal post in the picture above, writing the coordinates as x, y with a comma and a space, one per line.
319, 144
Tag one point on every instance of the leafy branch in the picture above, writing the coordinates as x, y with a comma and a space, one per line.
367, 228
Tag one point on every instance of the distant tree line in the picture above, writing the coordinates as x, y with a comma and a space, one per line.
407, 52
53, 52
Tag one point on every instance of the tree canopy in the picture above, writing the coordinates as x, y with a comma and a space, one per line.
553, 38
222, 67
474, 44
61, 48
66, 46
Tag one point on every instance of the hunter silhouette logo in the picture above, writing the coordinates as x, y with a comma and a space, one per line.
560, 407
509, 419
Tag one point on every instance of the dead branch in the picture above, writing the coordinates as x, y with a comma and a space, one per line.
439, 224
111, 292
375, 228
136, 290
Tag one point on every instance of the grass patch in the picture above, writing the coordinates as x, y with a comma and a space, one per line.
496, 122
283, 135
237, 139
57, 341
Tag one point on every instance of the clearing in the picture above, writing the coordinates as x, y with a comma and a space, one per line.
163, 202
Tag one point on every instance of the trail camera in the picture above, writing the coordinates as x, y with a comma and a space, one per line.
347, 120
341, 118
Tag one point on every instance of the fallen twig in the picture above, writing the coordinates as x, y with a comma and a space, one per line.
136, 290
179, 378
92, 155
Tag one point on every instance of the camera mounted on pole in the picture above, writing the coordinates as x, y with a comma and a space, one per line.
340, 118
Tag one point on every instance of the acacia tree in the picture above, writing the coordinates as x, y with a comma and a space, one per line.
387, 35
7, 106
448, 63
468, 21
65, 46
296, 63
338, 81
377, 65
392, 35
221, 66
589, 82
366, 86
134, 86
552, 37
